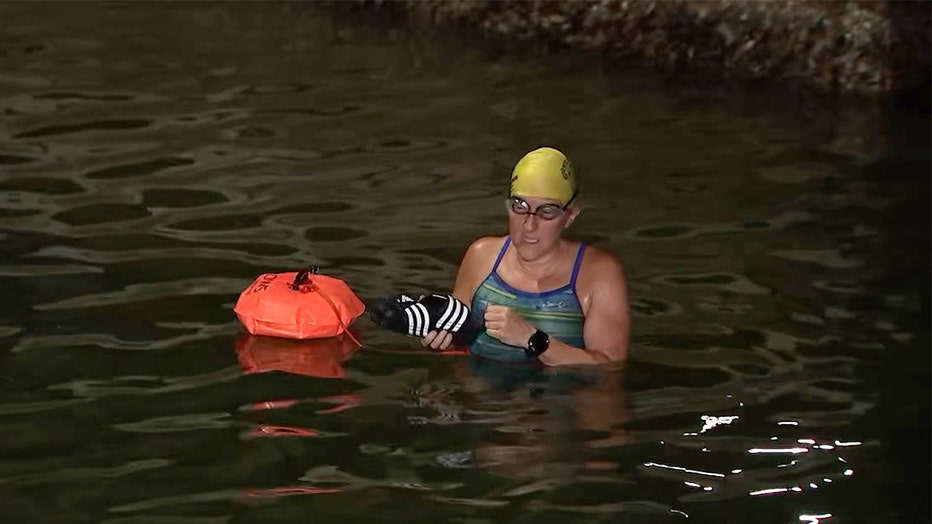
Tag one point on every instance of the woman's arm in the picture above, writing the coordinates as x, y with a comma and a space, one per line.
474, 267
476, 264
607, 328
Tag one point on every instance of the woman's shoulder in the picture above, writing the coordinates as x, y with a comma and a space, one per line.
598, 263
476, 265
600, 255
485, 247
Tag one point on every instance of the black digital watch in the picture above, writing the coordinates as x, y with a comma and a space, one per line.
537, 344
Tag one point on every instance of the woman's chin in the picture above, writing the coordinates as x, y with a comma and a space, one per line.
530, 248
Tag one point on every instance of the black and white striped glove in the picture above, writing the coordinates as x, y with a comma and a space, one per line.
417, 317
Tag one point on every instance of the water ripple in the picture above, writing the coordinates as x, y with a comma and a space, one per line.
101, 125
138, 169
178, 423
141, 255
109, 341
333, 476
37, 407
48, 270
830, 259
728, 282
682, 231
167, 519
42, 185
91, 97
143, 385
12, 160
87, 474
193, 498
139, 292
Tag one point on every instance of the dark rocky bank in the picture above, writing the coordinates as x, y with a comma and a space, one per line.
840, 46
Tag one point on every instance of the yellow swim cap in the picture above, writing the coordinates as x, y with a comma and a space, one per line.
544, 173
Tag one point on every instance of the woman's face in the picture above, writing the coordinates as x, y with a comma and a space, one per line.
535, 224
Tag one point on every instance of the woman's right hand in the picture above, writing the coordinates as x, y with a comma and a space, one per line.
439, 340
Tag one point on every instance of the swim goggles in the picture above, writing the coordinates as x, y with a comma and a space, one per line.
519, 206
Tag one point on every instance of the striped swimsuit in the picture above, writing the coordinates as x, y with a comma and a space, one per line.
556, 312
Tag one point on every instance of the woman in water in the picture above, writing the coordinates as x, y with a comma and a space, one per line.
542, 296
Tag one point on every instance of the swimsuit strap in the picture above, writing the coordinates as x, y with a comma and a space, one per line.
579, 255
501, 253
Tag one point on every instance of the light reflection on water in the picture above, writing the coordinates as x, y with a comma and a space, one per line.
145, 180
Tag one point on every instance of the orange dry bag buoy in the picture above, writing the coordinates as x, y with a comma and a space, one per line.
298, 305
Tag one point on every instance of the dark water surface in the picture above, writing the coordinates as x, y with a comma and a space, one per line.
157, 157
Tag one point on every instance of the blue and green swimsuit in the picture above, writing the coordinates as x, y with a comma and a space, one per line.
556, 312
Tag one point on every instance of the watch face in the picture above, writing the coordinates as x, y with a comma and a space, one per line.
538, 343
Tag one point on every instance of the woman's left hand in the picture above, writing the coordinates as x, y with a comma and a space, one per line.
504, 324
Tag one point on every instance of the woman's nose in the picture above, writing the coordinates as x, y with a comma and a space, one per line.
530, 222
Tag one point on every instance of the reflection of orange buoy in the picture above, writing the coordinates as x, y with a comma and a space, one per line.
298, 305
267, 430
289, 490
321, 357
